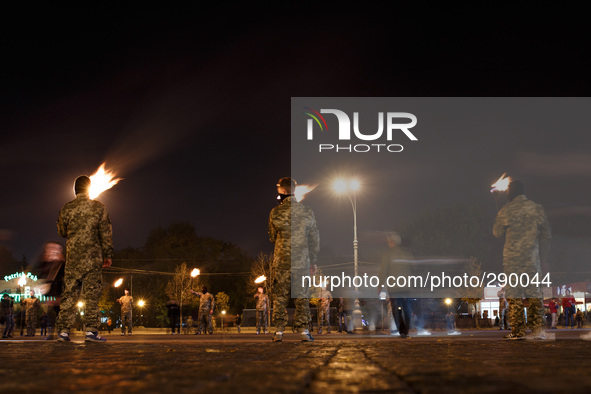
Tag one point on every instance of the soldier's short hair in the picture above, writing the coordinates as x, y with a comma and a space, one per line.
82, 184
515, 189
288, 184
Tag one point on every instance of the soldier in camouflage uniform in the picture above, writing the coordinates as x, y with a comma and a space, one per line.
206, 305
324, 300
292, 227
31, 305
262, 310
89, 247
527, 234
126, 302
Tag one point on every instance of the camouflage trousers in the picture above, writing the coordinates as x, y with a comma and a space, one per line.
323, 317
126, 321
80, 280
516, 315
31, 322
282, 286
204, 319
262, 320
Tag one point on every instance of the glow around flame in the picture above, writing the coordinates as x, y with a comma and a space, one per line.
260, 279
502, 184
302, 190
102, 180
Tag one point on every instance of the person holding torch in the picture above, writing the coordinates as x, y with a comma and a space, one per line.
126, 302
526, 229
292, 228
262, 310
86, 225
206, 305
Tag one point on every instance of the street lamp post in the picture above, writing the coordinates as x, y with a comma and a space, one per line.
349, 188
223, 315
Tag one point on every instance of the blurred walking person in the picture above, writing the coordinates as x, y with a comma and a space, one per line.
7, 315
324, 300
43, 323
174, 315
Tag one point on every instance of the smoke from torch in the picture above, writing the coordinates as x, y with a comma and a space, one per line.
302, 190
101, 180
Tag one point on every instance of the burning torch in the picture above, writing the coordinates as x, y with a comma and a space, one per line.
102, 180
501, 185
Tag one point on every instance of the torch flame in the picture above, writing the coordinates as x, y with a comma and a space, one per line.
502, 184
260, 279
302, 190
102, 180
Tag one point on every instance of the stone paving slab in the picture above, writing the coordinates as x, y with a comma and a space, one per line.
481, 363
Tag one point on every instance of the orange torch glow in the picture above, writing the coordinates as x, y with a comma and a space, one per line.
502, 184
302, 190
260, 279
102, 180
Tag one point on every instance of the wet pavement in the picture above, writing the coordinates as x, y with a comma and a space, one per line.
474, 362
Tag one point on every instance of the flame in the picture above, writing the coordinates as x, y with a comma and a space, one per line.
195, 272
502, 184
102, 180
302, 190
260, 279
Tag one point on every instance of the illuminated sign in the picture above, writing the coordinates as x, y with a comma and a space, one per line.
20, 275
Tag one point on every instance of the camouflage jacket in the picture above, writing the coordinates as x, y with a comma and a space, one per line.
292, 227
527, 232
30, 303
126, 302
262, 302
87, 226
206, 301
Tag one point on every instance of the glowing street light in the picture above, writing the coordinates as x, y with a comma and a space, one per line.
80, 304
141, 304
448, 301
350, 187
223, 315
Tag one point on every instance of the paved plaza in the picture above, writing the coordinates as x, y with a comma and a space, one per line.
474, 362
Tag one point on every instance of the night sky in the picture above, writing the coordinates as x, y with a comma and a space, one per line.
192, 108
